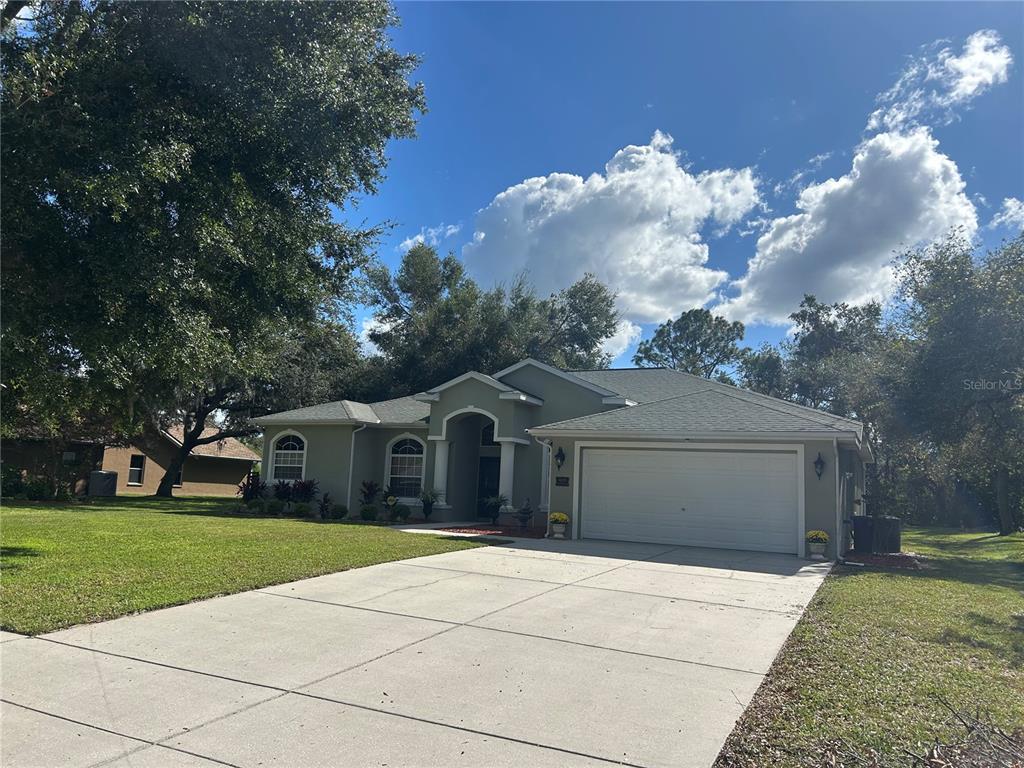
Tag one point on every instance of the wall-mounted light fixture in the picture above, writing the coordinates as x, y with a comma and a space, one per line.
559, 457
819, 465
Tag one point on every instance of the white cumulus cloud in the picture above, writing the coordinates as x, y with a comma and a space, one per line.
900, 191
626, 335
937, 83
431, 236
1011, 215
368, 325
638, 227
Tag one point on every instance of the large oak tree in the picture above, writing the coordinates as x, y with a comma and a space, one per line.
171, 176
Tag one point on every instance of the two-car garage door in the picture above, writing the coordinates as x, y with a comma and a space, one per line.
735, 499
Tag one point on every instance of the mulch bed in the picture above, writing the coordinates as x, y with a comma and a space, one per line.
891, 560
500, 530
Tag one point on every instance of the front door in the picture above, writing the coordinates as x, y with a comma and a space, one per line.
487, 482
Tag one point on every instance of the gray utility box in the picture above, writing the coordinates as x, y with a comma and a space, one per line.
102, 483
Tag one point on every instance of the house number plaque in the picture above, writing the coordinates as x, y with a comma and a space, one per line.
561, 480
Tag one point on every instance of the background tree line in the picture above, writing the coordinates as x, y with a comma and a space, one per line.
937, 377
172, 253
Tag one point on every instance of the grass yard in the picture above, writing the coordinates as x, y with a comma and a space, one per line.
878, 648
70, 564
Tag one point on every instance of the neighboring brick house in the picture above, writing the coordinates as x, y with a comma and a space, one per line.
214, 469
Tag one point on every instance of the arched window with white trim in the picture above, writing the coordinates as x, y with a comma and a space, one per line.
289, 457
405, 468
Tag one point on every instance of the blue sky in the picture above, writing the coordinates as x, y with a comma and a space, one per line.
705, 123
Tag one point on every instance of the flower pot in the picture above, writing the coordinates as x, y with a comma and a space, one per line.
558, 530
817, 550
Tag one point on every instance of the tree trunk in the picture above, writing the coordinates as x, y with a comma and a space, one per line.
177, 462
1003, 501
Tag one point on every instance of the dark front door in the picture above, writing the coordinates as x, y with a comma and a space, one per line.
487, 482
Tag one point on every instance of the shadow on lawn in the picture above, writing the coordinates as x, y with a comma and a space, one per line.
10, 556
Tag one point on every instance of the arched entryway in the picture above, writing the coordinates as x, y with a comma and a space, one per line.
473, 462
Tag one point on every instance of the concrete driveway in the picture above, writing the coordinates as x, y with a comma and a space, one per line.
537, 653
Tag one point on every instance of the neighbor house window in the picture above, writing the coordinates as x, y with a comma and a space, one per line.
405, 473
289, 457
136, 469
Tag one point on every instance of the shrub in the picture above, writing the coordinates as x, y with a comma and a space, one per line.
252, 487
275, 507
305, 490
402, 512
428, 499
369, 490
283, 491
303, 509
339, 512
817, 537
38, 489
325, 506
255, 505
558, 518
390, 502
12, 482
368, 512
493, 505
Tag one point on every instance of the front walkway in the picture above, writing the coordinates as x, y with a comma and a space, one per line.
540, 653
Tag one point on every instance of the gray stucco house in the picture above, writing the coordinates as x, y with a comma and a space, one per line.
630, 454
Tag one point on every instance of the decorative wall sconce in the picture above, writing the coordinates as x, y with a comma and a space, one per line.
559, 457
819, 465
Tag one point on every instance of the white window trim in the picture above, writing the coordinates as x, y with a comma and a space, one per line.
423, 466
273, 453
142, 470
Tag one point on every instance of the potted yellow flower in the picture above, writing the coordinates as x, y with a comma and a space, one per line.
816, 543
558, 522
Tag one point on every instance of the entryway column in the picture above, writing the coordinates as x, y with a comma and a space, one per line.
441, 471
506, 473
545, 480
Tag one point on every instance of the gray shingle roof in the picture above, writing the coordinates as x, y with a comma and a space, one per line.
703, 411
642, 385
648, 385
401, 410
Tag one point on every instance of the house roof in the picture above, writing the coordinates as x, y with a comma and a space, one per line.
648, 385
703, 411
400, 410
658, 401
228, 448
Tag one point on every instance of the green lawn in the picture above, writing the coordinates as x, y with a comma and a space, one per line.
877, 649
69, 564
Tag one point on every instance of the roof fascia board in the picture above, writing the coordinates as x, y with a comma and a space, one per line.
559, 373
625, 401
482, 378
634, 434
520, 397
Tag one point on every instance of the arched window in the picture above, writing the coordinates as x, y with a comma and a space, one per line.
289, 457
405, 468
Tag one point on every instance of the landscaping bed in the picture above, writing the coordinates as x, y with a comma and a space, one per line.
66, 564
883, 659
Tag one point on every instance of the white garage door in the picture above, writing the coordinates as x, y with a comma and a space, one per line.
730, 499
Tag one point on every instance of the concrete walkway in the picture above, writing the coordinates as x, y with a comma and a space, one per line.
537, 653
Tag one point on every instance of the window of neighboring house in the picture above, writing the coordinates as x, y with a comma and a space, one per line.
69, 457
136, 469
487, 435
405, 469
289, 457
